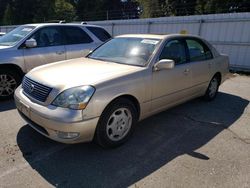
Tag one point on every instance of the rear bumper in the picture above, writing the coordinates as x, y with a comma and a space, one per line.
54, 122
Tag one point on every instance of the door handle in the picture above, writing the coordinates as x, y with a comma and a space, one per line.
186, 71
60, 52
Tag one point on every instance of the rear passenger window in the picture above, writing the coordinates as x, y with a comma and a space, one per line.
75, 35
48, 36
198, 51
100, 33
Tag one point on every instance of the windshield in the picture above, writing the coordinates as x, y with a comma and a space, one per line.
129, 50
13, 37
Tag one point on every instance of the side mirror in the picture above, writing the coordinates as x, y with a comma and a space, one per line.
164, 64
87, 52
31, 43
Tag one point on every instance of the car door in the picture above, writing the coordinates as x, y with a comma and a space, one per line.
172, 86
77, 42
201, 63
49, 48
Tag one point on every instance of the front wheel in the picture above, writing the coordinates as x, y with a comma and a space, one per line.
116, 123
212, 89
9, 80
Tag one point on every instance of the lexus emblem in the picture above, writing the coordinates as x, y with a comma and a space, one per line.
32, 87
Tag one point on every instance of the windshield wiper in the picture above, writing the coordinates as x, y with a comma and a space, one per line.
4, 44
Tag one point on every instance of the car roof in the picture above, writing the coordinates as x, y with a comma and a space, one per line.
61, 24
156, 36
150, 36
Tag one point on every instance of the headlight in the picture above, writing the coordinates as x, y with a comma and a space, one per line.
75, 98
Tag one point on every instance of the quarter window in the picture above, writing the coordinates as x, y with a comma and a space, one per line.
174, 50
76, 35
49, 36
100, 33
198, 51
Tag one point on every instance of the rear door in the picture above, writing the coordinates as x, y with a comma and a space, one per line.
49, 48
173, 85
201, 62
77, 42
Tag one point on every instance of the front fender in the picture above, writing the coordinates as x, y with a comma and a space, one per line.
12, 57
134, 85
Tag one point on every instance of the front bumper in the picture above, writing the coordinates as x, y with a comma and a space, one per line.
52, 121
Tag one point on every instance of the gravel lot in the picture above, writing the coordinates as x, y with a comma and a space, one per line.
197, 144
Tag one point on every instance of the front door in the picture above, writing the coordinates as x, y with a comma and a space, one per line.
173, 85
49, 48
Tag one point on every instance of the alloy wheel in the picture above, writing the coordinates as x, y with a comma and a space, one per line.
213, 87
7, 85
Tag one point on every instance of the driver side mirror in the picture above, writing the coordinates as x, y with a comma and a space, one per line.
87, 52
31, 43
164, 64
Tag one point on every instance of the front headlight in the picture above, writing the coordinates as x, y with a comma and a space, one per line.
75, 98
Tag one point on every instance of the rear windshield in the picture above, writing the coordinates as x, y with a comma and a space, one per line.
100, 33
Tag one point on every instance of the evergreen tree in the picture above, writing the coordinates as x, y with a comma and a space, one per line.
23, 11
28, 11
45, 11
3, 7
7, 17
64, 10
200, 7
151, 8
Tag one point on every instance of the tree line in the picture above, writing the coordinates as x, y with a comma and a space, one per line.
33, 11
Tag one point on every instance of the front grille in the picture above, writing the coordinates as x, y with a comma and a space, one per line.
35, 90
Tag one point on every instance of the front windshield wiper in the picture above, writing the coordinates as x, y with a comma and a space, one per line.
96, 58
112, 61
104, 60
4, 44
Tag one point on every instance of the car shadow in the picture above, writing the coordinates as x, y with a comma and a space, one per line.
156, 141
7, 105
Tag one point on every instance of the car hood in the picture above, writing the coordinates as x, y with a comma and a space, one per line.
78, 72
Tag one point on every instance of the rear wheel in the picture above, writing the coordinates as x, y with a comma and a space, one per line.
212, 89
116, 123
9, 80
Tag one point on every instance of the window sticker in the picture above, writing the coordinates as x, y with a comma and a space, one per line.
149, 41
27, 29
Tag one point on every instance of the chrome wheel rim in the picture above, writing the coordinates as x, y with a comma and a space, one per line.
213, 87
7, 85
119, 124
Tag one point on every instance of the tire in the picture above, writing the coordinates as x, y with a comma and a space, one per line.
212, 89
9, 81
116, 123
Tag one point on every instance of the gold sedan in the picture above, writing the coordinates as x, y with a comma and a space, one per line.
129, 78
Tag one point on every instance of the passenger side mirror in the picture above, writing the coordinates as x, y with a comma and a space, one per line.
164, 64
30, 43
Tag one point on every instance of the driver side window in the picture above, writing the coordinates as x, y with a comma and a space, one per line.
49, 36
175, 50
